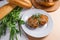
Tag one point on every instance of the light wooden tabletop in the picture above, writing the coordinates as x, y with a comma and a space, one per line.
55, 33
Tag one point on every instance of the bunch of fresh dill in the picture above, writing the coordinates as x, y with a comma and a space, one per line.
10, 21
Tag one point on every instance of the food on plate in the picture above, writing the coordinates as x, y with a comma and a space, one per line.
47, 3
37, 20
43, 19
22, 3
6, 9
33, 22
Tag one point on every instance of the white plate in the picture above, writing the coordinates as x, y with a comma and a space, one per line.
38, 32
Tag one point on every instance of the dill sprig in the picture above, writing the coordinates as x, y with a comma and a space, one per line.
10, 21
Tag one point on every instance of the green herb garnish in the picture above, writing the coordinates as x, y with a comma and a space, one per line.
35, 16
10, 22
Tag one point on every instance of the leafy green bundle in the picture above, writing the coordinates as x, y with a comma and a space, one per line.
10, 22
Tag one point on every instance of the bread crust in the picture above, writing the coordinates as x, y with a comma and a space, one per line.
6, 9
22, 3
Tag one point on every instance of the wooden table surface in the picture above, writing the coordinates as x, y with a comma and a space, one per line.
55, 33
